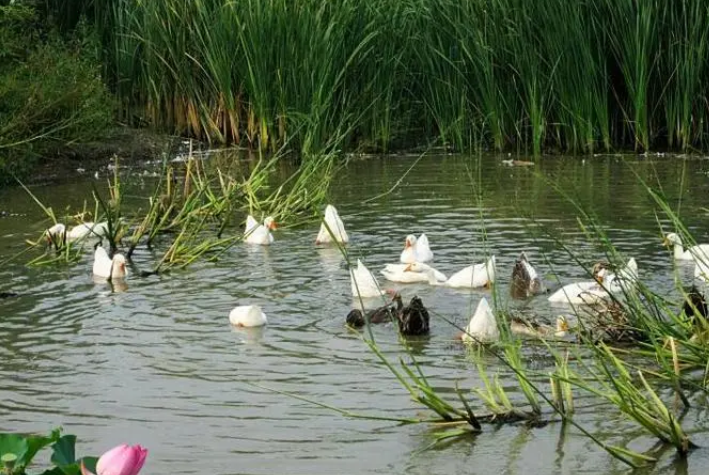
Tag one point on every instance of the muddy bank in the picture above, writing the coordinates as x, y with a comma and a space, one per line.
131, 146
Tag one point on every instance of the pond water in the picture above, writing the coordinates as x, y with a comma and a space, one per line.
160, 365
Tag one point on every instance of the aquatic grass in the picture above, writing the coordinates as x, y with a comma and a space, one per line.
382, 75
496, 399
640, 404
562, 394
109, 210
58, 248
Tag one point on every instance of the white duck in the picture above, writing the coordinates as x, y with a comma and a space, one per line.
423, 249
79, 231
85, 229
363, 283
477, 275
698, 252
578, 293
482, 326
622, 282
247, 316
408, 273
606, 282
56, 234
105, 267
336, 227
416, 250
701, 270
255, 233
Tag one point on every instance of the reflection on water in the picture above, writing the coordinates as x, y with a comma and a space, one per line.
156, 362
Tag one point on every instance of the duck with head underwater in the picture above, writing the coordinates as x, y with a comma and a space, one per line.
356, 318
525, 280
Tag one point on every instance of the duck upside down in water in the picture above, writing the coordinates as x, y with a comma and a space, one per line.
525, 280
414, 318
332, 229
482, 327
385, 313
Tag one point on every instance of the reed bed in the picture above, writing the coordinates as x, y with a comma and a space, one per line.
322, 75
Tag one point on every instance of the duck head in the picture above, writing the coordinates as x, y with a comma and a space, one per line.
600, 270
562, 325
355, 318
423, 269
119, 265
671, 239
270, 223
601, 275
410, 241
395, 297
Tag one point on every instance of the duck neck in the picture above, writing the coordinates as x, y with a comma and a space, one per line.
679, 250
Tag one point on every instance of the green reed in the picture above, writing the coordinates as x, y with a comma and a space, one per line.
322, 76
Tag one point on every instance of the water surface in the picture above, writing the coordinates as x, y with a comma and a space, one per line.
160, 365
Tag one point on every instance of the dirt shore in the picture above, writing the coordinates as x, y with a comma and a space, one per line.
131, 146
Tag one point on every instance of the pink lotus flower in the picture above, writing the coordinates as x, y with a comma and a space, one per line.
121, 460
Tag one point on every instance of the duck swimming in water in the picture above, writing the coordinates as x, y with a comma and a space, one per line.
475, 276
416, 250
700, 252
539, 330
525, 280
605, 281
255, 233
247, 316
385, 313
414, 319
409, 273
109, 268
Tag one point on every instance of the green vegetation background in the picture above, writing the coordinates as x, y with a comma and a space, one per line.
316, 76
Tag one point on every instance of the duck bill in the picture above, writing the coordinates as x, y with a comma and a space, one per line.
272, 225
665, 242
488, 285
407, 268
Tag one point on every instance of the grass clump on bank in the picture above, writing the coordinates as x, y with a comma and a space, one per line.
51, 90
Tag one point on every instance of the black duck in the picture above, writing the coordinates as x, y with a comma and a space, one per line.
385, 313
414, 319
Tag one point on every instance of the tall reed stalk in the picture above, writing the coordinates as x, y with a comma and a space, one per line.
342, 75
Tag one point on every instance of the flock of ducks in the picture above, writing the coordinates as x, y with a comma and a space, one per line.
414, 266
